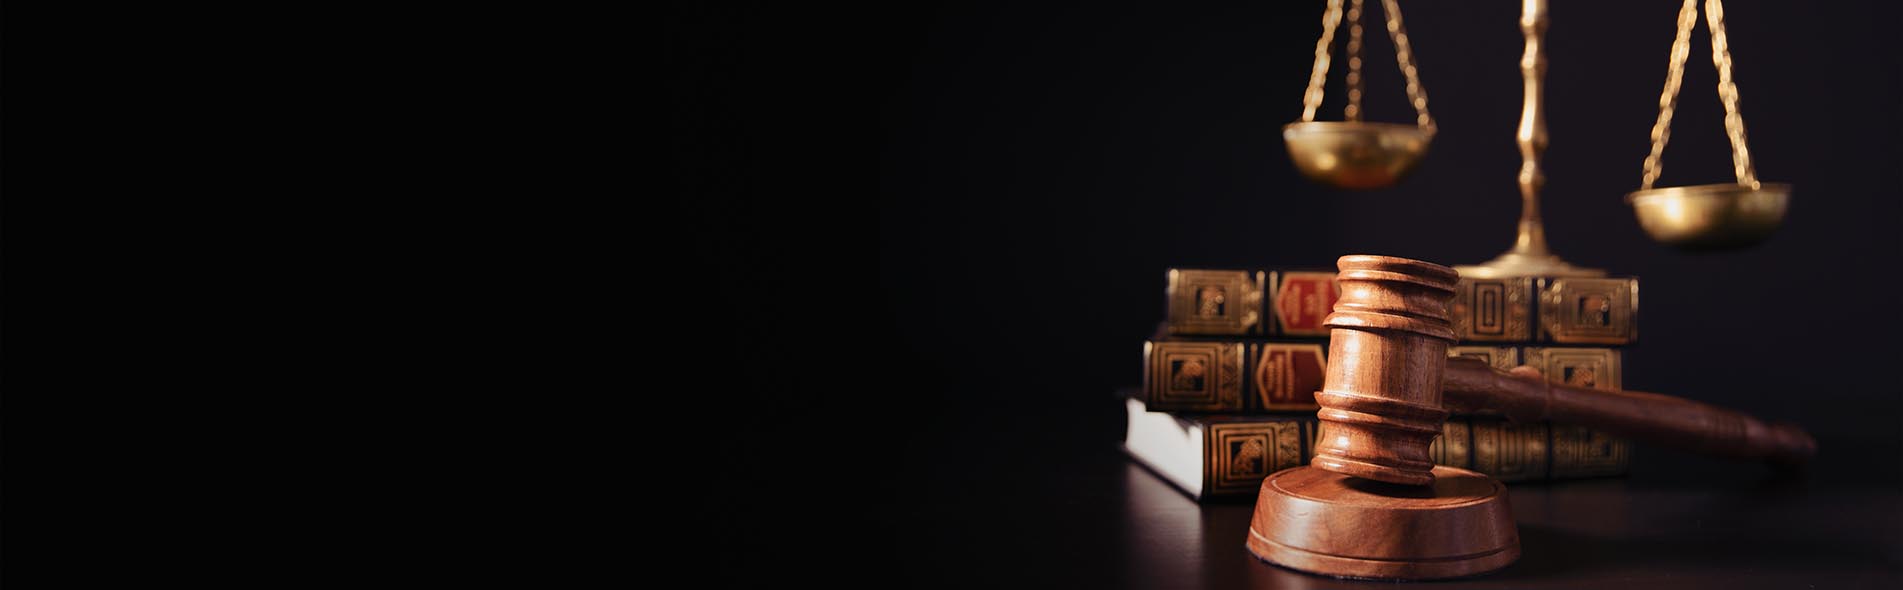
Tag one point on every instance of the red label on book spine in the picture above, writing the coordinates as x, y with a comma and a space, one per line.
1304, 300
1288, 375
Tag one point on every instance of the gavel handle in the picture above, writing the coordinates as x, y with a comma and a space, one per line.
1523, 395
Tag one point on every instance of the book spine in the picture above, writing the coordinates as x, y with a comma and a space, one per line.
1493, 310
1589, 311
1454, 446
1216, 302
1510, 451
1284, 376
1240, 454
1194, 376
1302, 300
1597, 368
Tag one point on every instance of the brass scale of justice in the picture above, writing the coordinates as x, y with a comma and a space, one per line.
1372, 504
1357, 154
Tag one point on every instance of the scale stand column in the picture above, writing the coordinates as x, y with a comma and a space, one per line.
1529, 256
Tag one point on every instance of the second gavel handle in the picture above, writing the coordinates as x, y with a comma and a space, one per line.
1469, 385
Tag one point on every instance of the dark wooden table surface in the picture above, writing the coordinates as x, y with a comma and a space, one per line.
1019, 504
1590, 534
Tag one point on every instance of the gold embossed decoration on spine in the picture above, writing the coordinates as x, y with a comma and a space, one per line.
1397, 400
1240, 453
1193, 376
1494, 310
1215, 302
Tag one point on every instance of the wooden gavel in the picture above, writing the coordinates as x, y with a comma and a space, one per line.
1372, 504
1386, 393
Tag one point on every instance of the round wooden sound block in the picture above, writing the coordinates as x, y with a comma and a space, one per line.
1322, 522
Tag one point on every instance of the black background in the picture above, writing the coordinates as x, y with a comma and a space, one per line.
937, 233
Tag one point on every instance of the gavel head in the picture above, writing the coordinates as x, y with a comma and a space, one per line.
1381, 398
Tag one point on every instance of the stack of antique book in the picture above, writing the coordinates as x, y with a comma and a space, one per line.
1230, 376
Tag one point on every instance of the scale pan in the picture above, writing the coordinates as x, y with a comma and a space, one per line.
1357, 155
1711, 216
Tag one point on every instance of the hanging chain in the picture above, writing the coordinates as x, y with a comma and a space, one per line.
1727, 93
1404, 54
1353, 111
1668, 100
1313, 98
